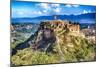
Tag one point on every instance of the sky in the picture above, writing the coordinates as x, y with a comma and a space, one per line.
22, 9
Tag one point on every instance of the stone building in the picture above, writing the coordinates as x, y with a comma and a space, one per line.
74, 27
59, 24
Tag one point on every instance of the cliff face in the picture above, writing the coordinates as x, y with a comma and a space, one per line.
55, 38
48, 34
45, 37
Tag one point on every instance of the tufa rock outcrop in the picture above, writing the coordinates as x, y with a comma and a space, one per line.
48, 34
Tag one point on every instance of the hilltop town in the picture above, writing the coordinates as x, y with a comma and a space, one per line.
56, 25
52, 38
65, 39
73, 27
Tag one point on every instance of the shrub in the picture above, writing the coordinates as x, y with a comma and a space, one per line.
28, 57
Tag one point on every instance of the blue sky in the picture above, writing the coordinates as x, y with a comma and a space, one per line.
33, 9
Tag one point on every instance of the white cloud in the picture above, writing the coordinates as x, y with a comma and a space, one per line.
86, 11
35, 13
57, 10
44, 5
51, 7
21, 13
39, 12
68, 5
89, 11
44, 11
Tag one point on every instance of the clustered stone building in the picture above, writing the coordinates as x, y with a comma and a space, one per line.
59, 24
72, 26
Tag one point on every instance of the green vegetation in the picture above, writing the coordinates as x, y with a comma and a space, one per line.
83, 50
67, 48
20, 37
28, 57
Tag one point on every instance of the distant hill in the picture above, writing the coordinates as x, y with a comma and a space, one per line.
64, 17
83, 18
